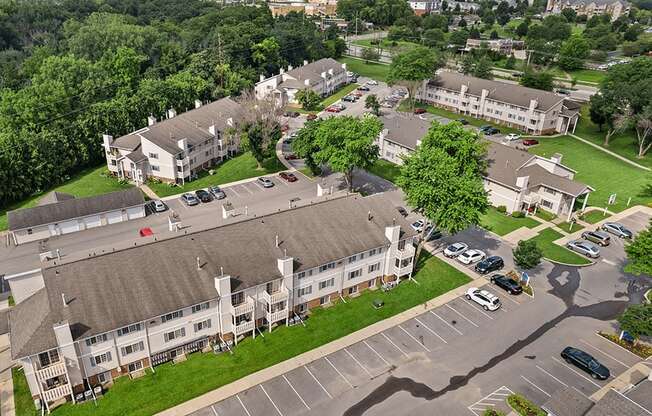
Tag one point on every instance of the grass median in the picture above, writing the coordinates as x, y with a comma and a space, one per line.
173, 384
555, 252
386, 170
502, 224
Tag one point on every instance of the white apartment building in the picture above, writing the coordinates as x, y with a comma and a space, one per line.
324, 77
590, 8
533, 111
178, 147
80, 324
503, 46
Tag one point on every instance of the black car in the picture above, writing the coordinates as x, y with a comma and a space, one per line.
402, 211
491, 131
510, 285
586, 362
463, 121
490, 264
363, 88
203, 196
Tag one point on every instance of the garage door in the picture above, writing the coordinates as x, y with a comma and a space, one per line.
113, 217
133, 213
92, 222
69, 227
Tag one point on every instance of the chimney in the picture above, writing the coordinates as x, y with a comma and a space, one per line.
369, 216
305, 62
229, 121
282, 71
63, 298
290, 67
107, 140
522, 182
151, 120
261, 78
556, 158
306, 82
197, 103
276, 240
171, 113
330, 71
344, 67
323, 74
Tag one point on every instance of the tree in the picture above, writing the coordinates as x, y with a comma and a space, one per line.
569, 14
521, 29
370, 54
638, 253
459, 37
482, 68
308, 99
573, 52
434, 37
305, 146
260, 125
527, 254
541, 80
511, 62
643, 126
462, 22
493, 35
637, 320
371, 102
474, 33
267, 55
411, 68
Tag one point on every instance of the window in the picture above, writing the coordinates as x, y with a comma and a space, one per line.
138, 365
353, 289
325, 267
200, 326
549, 190
153, 155
99, 359
29, 231
47, 358
352, 259
301, 275
155, 168
374, 267
96, 340
114, 162
130, 349
179, 169
303, 291
102, 377
326, 283
324, 300
172, 316
302, 307
178, 333
355, 273
372, 252
237, 298
200, 307
547, 204
129, 329
372, 283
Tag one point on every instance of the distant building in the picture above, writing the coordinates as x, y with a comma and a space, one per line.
421, 8
310, 7
503, 46
590, 8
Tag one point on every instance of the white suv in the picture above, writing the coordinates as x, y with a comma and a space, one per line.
471, 256
487, 300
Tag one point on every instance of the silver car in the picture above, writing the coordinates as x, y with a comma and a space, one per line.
265, 182
617, 229
584, 247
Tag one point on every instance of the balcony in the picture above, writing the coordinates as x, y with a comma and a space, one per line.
244, 327
402, 269
57, 393
279, 315
406, 252
51, 371
246, 307
183, 162
276, 297
531, 198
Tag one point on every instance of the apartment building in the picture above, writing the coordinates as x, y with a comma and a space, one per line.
514, 178
532, 111
421, 8
175, 149
324, 77
590, 8
86, 322
503, 46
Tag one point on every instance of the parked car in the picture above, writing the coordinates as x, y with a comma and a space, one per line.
530, 142
386, 104
491, 131
434, 235
265, 182
617, 229
508, 284
189, 199
586, 362
420, 111
485, 127
584, 247
598, 237
471, 256
145, 232
563, 92
490, 264
288, 176
402, 211
292, 114
372, 82
159, 206
217, 192
418, 225
484, 298
290, 156
311, 116
363, 88
463, 121
455, 249
357, 93
203, 196
350, 98
512, 137
333, 109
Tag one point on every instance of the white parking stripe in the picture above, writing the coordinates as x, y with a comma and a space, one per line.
604, 353
270, 399
535, 386
320, 385
376, 352
431, 331
296, 392
471, 305
553, 377
214, 411
577, 372
624, 349
358, 362
338, 372
249, 190
509, 297
467, 319
243, 406
447, 323
609, 262
392, 342
283, 181
415, 340
232, 188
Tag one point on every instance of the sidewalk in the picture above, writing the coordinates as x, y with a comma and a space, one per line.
281, 157
7, 407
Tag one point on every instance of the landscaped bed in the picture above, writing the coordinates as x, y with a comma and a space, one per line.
639, 348
173, 384
557, 253
523, 406
502, 224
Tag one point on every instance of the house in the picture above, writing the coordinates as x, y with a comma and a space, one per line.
117, 313
569, 401
590, 8
421, 8
59, 213
324, 77
175, 149
533, 111
318, 8
503, 46
514, 178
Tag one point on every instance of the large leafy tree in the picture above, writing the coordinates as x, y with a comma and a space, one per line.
638, 253
443, 177
411, 68
541, 80
527, 255
637, 320
573, 52
308, 99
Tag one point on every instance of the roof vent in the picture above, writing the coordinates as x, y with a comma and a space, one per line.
198, 264
63, 299
369, 216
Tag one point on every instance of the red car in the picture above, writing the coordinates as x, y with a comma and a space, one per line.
419, 111
290, 156
333, 109
312, 116
530, 142
288, 176
146, 232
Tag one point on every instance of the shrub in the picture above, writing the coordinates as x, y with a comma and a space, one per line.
527, 254
492, 412
518, 214
501, 208
523, 406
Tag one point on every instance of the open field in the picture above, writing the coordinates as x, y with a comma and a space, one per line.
371, 70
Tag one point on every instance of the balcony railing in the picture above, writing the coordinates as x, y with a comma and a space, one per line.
407, 251
57, 393
244, 327
277, 316
243, 308
183, 162
531, 198
402, 270
276, 297
51, 371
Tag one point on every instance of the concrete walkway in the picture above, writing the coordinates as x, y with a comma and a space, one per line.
148, 191
624, 159
7, 406
524, 233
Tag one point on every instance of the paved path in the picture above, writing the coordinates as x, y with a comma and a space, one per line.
148, 191
624, 159
524, 233
281, 156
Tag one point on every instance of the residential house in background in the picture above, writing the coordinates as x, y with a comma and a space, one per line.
401, 134
177, 148
324, 77
59, 213
533, 111
320, 8
421, 8
590, 8
82, 323
503, 46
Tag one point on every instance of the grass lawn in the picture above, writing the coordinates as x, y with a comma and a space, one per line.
345, 90
605, 173
88, 182
372, 70
240, 167
545, 215
386, 44
569, 227
556, 252
588, 75
176, 383
502, 224
22, 396
594, 216
385, 169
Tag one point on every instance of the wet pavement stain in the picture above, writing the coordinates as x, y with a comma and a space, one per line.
391, 386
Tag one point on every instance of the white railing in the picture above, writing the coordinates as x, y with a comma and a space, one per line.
402, 271
184, 161
244, 327
57, 393
407, 251
277, 316
531, 198
280, 296
243, 308
51, 371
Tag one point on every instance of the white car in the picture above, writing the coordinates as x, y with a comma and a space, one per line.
418, 225
471, 256
372, 82
484, 298
455, 249
512, 137
159, 206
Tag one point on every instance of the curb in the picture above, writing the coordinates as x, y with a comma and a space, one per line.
569, 264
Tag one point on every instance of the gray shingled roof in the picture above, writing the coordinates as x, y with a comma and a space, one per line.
567, 402
615, 404
136, 156
314, 69
53, 197
405, 129
642, 393
30, 326
115, 289
127, 142
501, 91
73, 208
